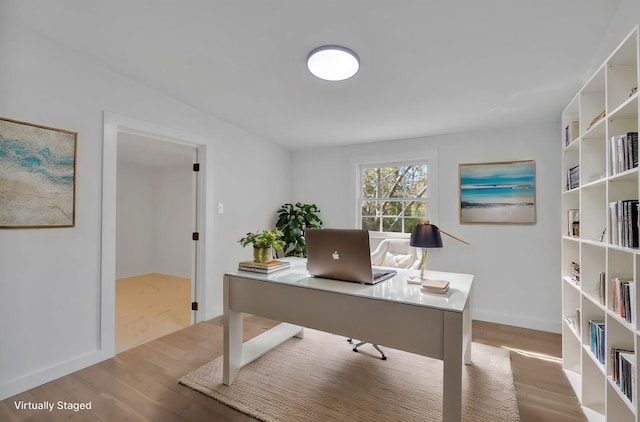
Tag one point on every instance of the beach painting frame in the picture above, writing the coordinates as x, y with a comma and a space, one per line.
37, 176
498, 192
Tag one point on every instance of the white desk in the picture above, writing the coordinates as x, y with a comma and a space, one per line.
391, 313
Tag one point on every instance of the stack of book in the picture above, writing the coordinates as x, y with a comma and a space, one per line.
575, 271
623, 152
573, 177
264, 267
573, 222
623, 362
624, 223
622, 294
435, 286
602, 289
597, 339
571, 132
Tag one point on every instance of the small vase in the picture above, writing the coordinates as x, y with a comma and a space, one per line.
262, 254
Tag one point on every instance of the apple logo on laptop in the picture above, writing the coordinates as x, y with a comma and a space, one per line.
336, 255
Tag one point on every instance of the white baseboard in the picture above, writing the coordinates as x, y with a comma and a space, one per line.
16, 386
552, 326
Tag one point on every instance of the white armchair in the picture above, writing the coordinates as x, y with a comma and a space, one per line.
395, 253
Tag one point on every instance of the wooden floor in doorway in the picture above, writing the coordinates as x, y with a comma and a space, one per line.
150, 306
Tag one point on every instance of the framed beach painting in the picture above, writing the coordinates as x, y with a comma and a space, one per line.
37, 176
498, 193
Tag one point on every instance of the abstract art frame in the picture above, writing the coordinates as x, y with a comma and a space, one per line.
502, 192
37, 176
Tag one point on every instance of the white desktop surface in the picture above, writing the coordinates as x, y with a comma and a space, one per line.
395, 289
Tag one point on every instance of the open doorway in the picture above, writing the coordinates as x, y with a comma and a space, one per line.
156, 207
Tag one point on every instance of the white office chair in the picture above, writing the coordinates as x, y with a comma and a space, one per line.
395, 253
392, 253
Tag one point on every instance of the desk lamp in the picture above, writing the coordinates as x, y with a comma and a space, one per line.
425, 235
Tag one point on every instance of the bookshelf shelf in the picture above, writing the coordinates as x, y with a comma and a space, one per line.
600, 199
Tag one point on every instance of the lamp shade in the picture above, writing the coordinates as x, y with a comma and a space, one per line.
425, 235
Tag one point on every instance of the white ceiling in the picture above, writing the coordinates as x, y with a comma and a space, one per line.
427, 67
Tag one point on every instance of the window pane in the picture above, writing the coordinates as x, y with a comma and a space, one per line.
391, 208
369, 190
409, 224
392, 224
371, 223
370, 208
415, 208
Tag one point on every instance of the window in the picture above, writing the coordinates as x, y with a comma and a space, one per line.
393, 197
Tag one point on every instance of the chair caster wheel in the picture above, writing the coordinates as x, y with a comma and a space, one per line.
384, 358
355, 350
349, 340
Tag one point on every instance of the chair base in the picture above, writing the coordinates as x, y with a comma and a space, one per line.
375, 346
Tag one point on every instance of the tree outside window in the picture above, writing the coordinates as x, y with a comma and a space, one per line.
393, 197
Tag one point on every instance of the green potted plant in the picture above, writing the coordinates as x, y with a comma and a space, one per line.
263, 242
292, 221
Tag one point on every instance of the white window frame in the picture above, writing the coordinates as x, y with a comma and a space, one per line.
430, 158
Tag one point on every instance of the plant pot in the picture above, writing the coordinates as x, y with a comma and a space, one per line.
262, 254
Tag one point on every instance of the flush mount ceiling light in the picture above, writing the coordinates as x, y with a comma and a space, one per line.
333, 62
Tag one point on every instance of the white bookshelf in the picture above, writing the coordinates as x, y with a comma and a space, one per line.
594, 248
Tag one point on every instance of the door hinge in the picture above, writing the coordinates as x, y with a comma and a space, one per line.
195, 236
196, 166
194, 306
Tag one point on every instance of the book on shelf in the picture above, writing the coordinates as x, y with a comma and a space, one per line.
623, 217
573, 177
597, 119
614, 364
622, 298
575, 271
573, 222
597, 346
602, 289
571, 132
623, 152
264, 267
622, 369
578, 324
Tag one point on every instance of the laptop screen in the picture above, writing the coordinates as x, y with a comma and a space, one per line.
340, 254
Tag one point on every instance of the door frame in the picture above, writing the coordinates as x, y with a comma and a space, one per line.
113, 124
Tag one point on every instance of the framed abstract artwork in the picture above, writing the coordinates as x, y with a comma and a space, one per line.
37, 175
498, 192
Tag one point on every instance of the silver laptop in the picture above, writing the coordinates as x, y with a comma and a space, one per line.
342, 254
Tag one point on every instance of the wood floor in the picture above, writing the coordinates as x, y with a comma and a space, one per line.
140, 384
150, 306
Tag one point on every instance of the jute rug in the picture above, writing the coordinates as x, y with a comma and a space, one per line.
319, 378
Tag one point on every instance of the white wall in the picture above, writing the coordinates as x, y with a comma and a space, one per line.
50, 278
155, 219
516, 267
136, 220
625, 19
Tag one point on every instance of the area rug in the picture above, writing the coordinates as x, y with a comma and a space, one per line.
318, 378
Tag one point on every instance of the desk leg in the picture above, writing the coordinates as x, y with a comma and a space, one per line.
452, 378
232, 360
466, 332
